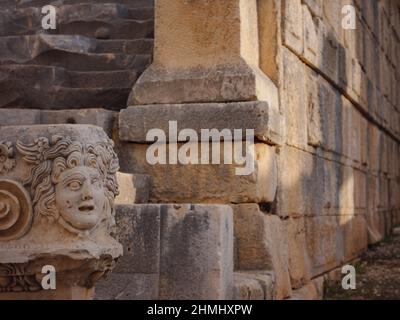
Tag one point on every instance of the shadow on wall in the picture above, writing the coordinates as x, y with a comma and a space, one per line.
333, 192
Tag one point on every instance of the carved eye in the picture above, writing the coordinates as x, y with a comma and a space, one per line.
74, 185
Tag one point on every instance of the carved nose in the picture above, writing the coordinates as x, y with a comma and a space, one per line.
87, 193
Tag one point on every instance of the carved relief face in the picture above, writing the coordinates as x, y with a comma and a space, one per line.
80, 197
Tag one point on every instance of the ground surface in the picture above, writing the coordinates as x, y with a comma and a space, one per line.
378, 274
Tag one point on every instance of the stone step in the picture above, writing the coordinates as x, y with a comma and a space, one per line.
102, 79
88, 61
113, 29
141, 13
13, 94
48, 76
131, 47
89, 17
98, 117
41, 3
21, 49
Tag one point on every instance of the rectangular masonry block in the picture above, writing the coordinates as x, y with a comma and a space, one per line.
293, 99
261, 244
299, 261
298, 173
133, 188
128, 286
196, 252
325, 244
293, 25
136, 121
98, 117
249, 285
205, 183
138, 229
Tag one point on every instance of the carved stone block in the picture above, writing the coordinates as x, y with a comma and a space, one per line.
57, 190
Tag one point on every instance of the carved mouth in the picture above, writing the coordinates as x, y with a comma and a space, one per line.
86, 208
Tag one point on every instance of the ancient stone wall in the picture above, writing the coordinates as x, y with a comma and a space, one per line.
339, 169
91, 60
323, 102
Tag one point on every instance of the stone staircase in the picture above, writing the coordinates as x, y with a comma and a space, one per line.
91, 60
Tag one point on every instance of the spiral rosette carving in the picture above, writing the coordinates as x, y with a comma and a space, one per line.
7, 161
15, 210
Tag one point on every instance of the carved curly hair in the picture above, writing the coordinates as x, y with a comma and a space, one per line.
50, 158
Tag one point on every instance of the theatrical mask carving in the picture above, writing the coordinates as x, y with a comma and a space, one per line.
71, 182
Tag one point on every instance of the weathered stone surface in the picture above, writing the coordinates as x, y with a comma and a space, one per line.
133, 188
197, 252
261, 244
325, 243
193, 85
299, 264
58, 181
138, 229
98, 117
182, 71
208, 183
136, 121
355, 235
131, 286
253, 286
307, 172
91, 60
293, 25
293, 99
308, 292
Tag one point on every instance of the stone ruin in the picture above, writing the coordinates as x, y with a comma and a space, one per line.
323, 102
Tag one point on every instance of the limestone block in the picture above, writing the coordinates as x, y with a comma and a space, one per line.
253, 286
133, 188
374, 141
360, 192
262, 245
307, 292
325, 111
355, 236
324, 243
98, 117
375, 220
300, 172
319, 286
293, 25
347, 191
356, 136
226, 83
314, 116
332, 15
131, 286
314, 31
293, 99
346, 127
199, 59
209, 183
197, 252
315, 6
14, 117
136, 121
138, 230
269, 31
330, 55
299, 261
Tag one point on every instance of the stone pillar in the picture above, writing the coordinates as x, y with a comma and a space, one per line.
57, 190
205, 51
